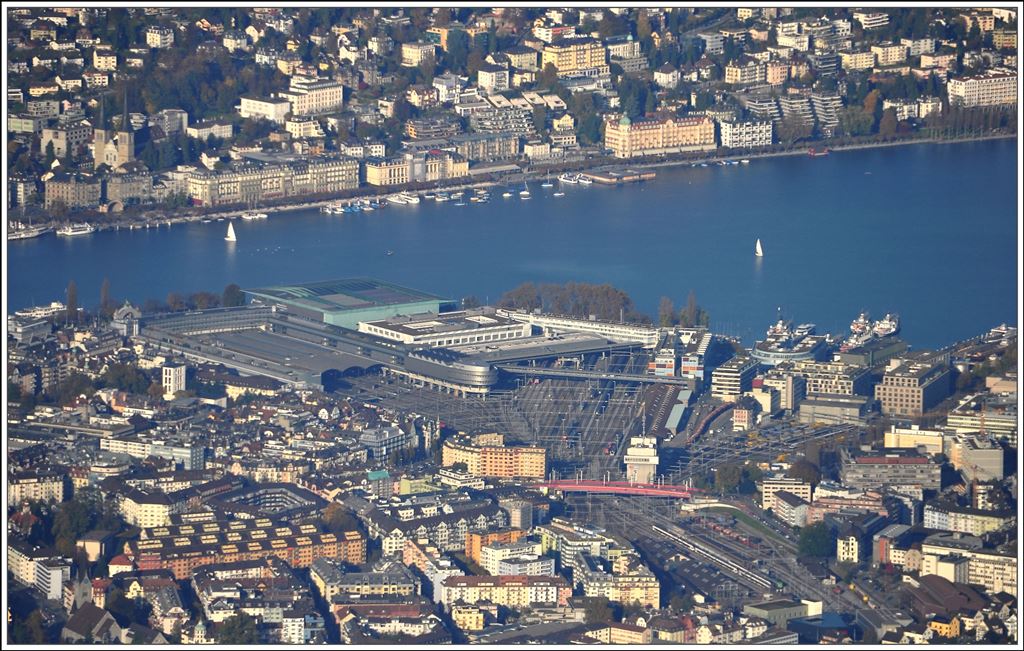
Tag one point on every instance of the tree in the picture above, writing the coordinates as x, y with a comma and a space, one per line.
792, 128
728, 477
155, 391
540, 117
643, 25
72, 311
666, 312
233, 296
548, 77
175, 302
204, 300
338, 519
598, 610
804, 470
427, 67
817, 540
457, 54
105, 295
240, 629
888, 124
50, 155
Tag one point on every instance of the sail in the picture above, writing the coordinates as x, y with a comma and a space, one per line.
230, 237
757, 248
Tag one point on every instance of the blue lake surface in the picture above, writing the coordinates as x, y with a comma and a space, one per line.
926, 231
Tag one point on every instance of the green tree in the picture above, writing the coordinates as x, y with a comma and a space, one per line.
232, 296
540, 117
817, 540
598, 610
458, 51
50, 155
728, 477
240, 629
804, 470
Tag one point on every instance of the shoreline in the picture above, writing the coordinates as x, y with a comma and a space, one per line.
158, 220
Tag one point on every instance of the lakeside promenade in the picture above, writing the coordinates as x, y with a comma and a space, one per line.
157, 219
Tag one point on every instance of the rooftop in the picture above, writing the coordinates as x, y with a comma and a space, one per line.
342, 295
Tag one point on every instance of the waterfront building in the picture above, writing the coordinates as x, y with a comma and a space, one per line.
627, 138
273, 109
549, 324
485, 147
995, 87
579, 56
347, 301
419, 167
72, 190
834, 377
486, 455
745, 135
448, 329
271, 179
911, 388
510, 120
771, 486
873, 470
733, 378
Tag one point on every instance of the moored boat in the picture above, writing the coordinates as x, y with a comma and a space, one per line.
71, 230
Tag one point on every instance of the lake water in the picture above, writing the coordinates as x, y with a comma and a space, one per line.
927, 231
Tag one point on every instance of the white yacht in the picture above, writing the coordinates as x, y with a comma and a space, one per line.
76, 229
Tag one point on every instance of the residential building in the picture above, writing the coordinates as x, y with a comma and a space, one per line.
313, 96
791, 509
581, 56
871, 20
646, 137
37, 485
745, 135
173, 379
889, 54
770, 487
493, 79
383, 441
733, 378
414, 53
159, 37
862, 60
745, 71
273, 109
995, 87
73, 191
491, 555
68, 139
104, 60
514, 592
487, 455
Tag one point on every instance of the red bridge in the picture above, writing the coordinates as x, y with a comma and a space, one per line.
618, 488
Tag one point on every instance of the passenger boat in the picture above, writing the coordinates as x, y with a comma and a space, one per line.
77, 229
22, 232
889, 325
584, 180
861, 324
410, 197
397, 198
568, 178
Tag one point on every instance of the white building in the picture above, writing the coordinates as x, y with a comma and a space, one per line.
743, 135
159, 37
414, 53
271, 109
871, 19
311, 96
173, 379
771, 486
994, 87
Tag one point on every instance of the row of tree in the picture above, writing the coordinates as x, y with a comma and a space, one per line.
581, 300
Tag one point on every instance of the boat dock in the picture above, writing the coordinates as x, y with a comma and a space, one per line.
620, 176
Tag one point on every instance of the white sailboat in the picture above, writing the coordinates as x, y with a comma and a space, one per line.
230, 237
758, 251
